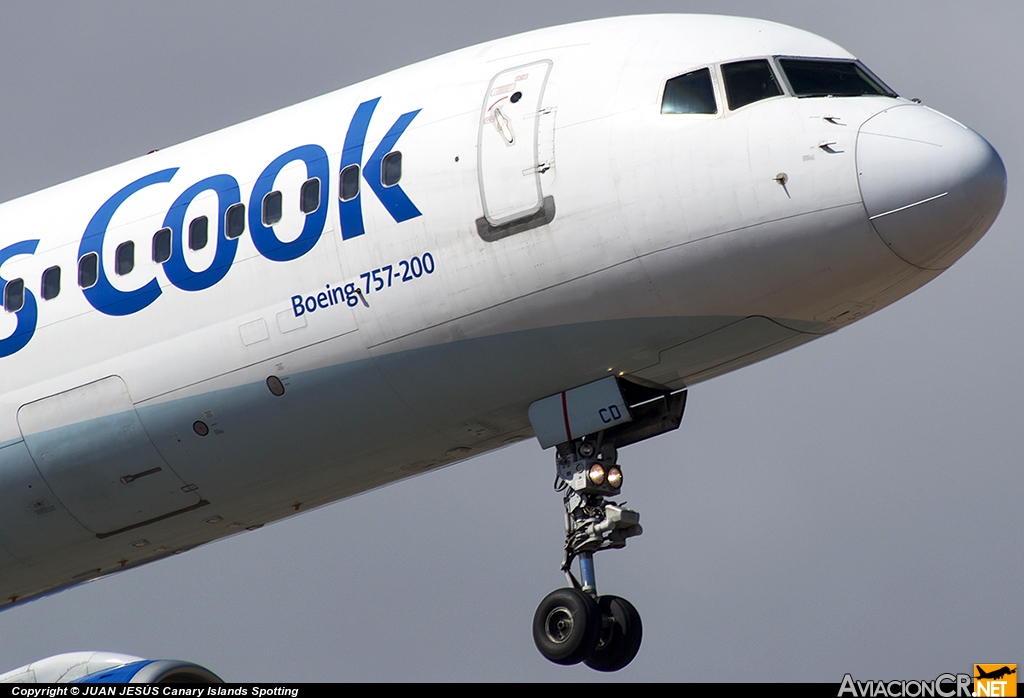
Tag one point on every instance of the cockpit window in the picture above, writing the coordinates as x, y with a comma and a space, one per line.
690, 94
829, 78
749, 81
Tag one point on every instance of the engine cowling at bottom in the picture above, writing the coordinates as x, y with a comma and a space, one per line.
108, 667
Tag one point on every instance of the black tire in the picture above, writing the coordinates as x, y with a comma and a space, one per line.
566, 626
620, 637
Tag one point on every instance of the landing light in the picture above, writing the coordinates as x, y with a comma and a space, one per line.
596, 474
614, 477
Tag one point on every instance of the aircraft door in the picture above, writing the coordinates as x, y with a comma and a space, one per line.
512, 150
91, 449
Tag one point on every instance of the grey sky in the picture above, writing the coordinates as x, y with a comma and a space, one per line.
848, 506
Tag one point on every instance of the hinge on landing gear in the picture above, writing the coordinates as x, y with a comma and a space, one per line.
586, 473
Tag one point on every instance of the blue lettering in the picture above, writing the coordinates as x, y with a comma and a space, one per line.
351, 212
350, 295
393, 198
28, 315
103, 296
263, 237
178, 272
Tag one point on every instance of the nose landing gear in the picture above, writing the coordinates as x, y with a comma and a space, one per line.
576, 625
588, 425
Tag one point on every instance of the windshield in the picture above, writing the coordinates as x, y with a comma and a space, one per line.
749, 81
689, 94
831, 78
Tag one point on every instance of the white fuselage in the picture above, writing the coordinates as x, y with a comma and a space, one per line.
529, 246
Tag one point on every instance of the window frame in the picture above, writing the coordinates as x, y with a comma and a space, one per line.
715, 91
384, 168
341, 182
43, 286
775, 70
18, 283
129, 258
892, 94
192, 233
227, 219
96, 269
169, 234
302, 194
263, 208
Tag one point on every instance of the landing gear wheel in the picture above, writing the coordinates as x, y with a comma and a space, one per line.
567, 626
620, 636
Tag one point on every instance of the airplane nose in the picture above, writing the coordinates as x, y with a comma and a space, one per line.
931, 186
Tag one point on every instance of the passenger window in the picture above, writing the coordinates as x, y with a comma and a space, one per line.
690, 94
348, 189
124, 258
391, 169
234, 221
309, 196
88, 270
747, 82
272, 208
14, 295
50, 286
162, 245
198, 233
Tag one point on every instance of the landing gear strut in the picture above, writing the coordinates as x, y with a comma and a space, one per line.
575, 625
587, 425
